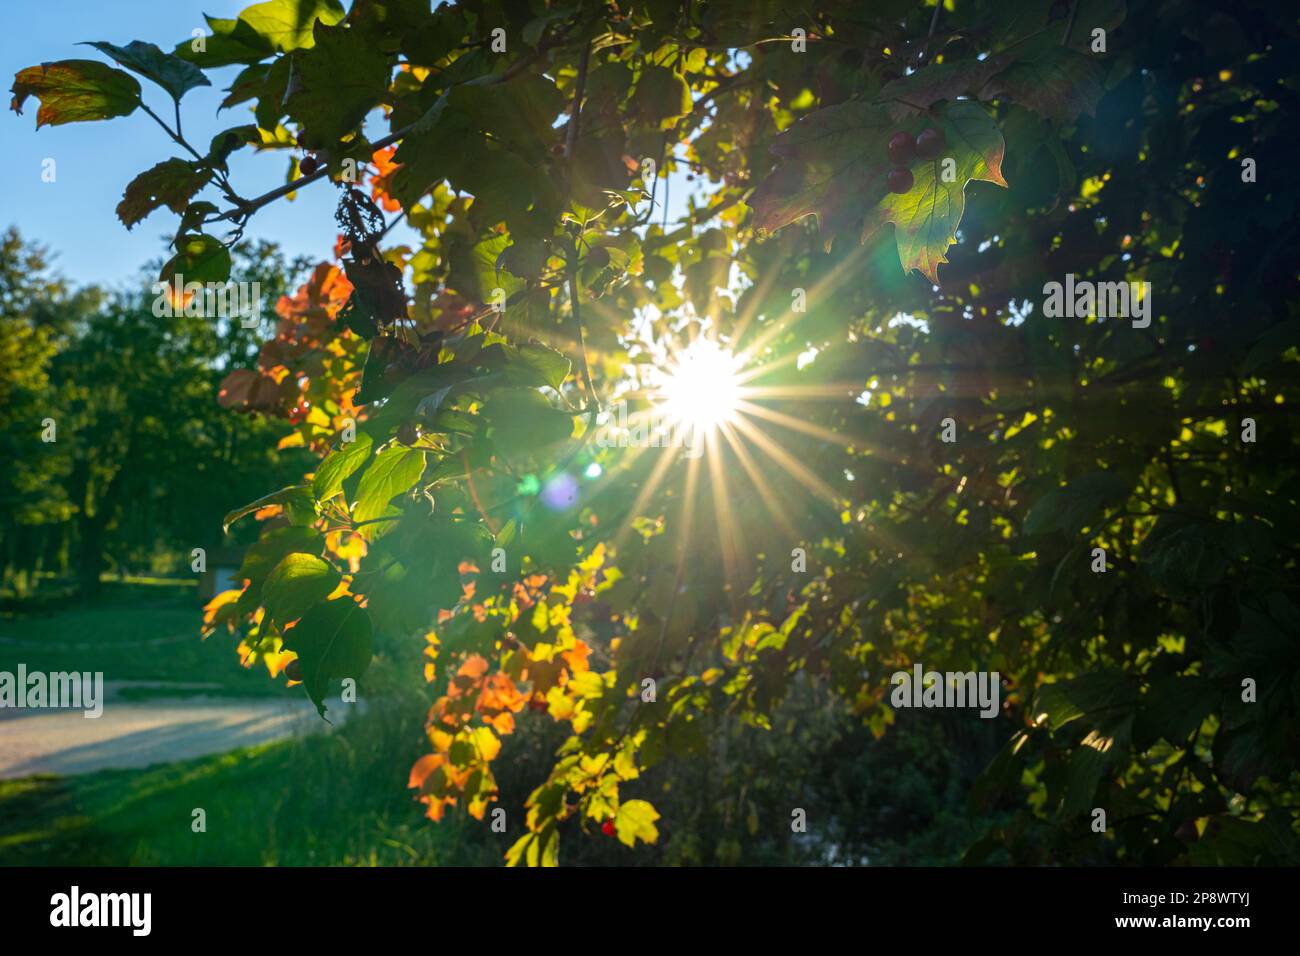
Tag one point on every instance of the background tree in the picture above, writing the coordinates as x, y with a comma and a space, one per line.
139, 442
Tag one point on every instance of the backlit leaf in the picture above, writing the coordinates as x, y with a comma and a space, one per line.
172, 183
333, 641
75, 91
391, 473
173, 74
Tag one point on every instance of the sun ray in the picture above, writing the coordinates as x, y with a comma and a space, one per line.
795, 424
643, 497
758, 480
730, 535
783, 458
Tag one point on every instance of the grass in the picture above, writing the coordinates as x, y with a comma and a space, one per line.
335, 799
140, 629
338, 798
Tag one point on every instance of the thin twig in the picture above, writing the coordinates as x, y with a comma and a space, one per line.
1069, 24
584, 367
575, 113
222, 182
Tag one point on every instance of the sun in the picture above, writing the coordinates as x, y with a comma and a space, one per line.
701, 388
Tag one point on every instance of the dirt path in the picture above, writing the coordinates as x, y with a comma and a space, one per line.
139, 733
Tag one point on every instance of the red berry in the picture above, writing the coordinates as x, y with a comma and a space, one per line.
308, 165
408, 433
930, 143
901, 148
607, 828
900, 180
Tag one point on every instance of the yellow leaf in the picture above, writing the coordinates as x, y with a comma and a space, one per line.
636, 820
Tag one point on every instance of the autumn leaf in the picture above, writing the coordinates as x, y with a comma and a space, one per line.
835, 169
926, 217
75, 91
172, 183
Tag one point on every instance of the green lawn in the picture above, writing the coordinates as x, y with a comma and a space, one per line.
334, 799
140, 629
338, 799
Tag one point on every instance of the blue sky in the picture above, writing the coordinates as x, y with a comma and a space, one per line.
74, 216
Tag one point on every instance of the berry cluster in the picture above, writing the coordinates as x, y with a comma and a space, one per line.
904, 149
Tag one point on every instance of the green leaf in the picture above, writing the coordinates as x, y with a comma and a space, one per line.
1088, 763
172, 183
229, 140
273, 547
173, 74
297, 583
1172, 708
339, 465
634, 821
943, 81
1080, 504
278, 26
226, 42
999, 776
75, 91
195, 213
294, 498
1104, 694
523, 421
340, 79
926, 217
392, 473
333, 641
661, 95
201, 259
1057, 83
825, 158
533, 364
289, 25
